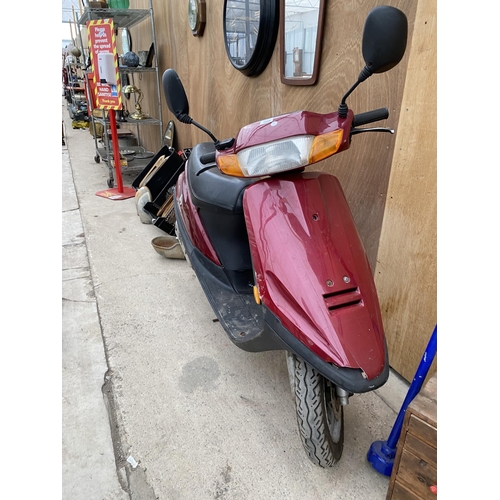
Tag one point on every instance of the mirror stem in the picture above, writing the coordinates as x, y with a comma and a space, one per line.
343, 109
205, 130
189, 121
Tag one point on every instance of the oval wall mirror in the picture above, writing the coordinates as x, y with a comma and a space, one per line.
301, 35
250, 32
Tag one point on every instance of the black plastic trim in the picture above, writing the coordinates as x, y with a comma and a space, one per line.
212, 190
349, 379
247, 329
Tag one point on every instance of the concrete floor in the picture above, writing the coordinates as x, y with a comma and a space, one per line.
157, 402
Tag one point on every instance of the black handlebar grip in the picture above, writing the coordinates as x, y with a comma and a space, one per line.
370, 117
207, 158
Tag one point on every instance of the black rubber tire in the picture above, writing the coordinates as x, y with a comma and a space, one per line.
320, 416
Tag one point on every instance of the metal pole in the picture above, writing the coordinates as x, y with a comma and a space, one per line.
116, 150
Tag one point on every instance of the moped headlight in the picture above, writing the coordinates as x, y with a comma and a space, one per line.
279, 156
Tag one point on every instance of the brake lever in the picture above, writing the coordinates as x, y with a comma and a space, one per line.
373, 129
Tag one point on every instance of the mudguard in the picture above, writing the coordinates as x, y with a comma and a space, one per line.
311, 269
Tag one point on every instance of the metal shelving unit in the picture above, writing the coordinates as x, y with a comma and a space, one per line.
74, 86
74, 91
122, 18
137, 156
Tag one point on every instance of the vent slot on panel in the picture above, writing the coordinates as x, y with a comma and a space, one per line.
342, 298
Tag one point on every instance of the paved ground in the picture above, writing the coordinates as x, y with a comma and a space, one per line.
157, 402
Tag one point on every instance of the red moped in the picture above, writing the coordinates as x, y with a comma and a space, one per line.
276, 250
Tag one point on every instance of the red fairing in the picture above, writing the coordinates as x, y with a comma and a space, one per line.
312, 270
290, 125
192, 222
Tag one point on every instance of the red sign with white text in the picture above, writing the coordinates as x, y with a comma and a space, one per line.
104, 59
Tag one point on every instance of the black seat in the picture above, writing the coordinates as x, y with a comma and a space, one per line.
211, 189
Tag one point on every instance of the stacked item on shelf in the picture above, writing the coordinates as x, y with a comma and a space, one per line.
154, 185
74, 92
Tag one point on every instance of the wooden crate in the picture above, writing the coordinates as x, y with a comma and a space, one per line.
415, 466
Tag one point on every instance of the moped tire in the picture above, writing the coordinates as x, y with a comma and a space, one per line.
320, 416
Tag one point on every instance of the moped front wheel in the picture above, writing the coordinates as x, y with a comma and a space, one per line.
320, 416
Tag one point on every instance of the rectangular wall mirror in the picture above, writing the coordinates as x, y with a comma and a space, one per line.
301, 35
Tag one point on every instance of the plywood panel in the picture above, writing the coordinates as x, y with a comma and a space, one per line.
406, 265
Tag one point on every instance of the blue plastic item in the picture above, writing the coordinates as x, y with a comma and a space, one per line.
381, 453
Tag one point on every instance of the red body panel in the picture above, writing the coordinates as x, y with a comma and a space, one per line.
289, 125
192, 221
312, 270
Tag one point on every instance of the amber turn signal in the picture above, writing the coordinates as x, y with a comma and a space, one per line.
228, 164
325, 145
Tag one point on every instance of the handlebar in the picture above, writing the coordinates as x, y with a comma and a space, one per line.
207, 158
359, 119
370, 117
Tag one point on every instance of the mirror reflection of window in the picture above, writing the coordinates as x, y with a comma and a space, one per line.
242, 28
301, 31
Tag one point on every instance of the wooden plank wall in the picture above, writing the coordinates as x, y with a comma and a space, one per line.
224, 100
406, 264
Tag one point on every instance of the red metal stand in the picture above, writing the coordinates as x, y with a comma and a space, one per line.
119, 193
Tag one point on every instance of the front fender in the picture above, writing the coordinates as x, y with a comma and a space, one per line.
312, 271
